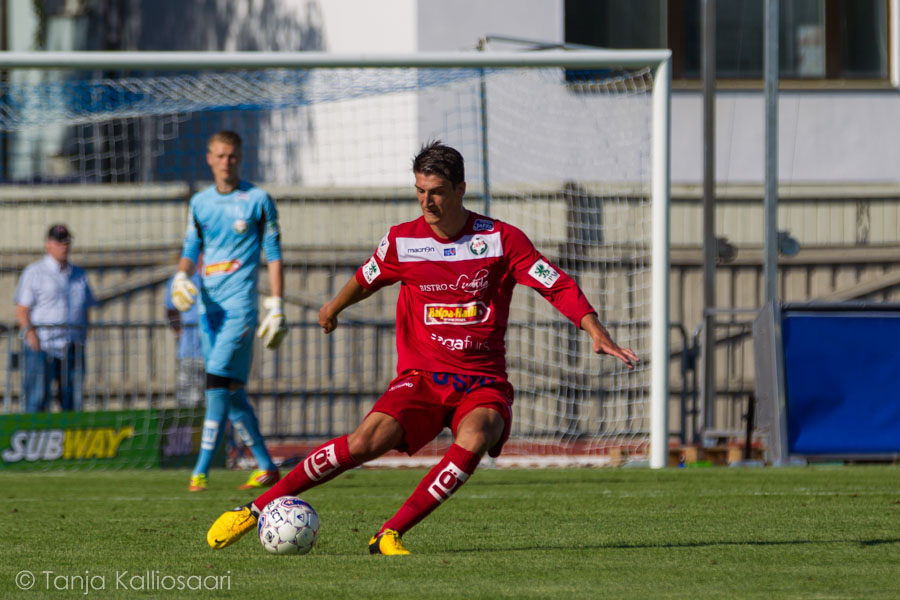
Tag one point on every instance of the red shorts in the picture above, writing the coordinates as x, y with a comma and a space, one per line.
424, 403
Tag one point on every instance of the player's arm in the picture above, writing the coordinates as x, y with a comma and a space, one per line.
529, 267
380, 270
186, 266
272, 329
350, 294
184, 292
603, 344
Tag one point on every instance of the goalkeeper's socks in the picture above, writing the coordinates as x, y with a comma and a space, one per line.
247, 426
322, 464
440, 483
213, 427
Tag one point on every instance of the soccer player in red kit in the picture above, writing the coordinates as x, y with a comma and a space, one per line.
457, 270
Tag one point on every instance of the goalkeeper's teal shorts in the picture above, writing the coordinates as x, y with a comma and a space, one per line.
227, 339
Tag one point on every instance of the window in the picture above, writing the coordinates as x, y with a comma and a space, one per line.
818, 39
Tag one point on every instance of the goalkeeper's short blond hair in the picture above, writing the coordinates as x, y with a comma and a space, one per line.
226, 137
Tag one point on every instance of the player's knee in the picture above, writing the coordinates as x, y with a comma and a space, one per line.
377, 434
217, 381
480, 430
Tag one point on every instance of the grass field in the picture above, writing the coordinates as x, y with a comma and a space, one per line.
812, 532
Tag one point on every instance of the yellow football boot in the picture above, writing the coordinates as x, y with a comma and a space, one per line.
259, 478
199, 483
230, 527
387, 542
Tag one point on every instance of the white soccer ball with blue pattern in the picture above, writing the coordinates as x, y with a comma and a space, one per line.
288, 525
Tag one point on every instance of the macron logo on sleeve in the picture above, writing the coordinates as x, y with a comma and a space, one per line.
383, 247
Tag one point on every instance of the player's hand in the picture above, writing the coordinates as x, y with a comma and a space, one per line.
272, 329
327, 321
602, 343
607, 346
184, 292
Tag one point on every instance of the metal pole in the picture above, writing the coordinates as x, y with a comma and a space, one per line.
311, 60
485, 162
660, 259
770, 66
708, 67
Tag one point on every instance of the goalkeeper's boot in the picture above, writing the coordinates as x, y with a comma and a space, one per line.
230, 527
387, 542
199, 483
261, 478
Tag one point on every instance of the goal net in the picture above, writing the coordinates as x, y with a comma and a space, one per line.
562, 153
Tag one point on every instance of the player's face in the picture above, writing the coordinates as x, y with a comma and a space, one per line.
440, 200
223, 159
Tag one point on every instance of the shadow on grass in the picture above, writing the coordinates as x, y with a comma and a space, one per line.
875, 542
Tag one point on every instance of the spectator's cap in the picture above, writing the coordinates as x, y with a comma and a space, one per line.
60, 233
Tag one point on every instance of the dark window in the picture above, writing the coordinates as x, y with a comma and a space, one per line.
818, 39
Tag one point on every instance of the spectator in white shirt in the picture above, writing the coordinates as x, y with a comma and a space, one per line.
51, 301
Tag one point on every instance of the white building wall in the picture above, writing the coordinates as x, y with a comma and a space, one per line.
847, 137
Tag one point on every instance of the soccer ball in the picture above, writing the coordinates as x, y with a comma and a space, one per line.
288, 525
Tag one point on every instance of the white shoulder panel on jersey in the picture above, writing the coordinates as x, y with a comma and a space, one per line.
468, 247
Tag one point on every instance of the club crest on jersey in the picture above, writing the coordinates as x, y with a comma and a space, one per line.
239, 226
241, 196
371, 270
482, 225
544, 273
456, 314
478, 246
383, 247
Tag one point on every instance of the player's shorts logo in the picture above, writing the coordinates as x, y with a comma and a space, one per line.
456, 314
478, 246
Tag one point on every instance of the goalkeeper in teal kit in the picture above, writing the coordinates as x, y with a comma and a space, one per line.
231, 223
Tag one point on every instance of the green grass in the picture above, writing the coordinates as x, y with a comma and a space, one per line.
813, 532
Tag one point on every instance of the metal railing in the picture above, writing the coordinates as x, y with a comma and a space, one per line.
319, 386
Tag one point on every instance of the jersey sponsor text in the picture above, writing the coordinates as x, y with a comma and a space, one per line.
456, 314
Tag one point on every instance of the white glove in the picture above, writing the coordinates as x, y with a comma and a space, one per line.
272, 329
184, 292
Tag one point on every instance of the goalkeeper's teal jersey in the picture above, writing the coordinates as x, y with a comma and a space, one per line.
230, 230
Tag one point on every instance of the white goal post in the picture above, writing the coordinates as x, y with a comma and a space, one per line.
547, 147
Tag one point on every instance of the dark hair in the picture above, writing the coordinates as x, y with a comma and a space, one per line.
437, 159
226, 137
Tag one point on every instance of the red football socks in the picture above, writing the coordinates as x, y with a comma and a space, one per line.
323, 464
439, 484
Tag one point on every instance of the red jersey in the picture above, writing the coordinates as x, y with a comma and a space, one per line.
455, 293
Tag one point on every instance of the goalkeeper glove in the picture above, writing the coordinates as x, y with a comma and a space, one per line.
184, 292
272, 329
